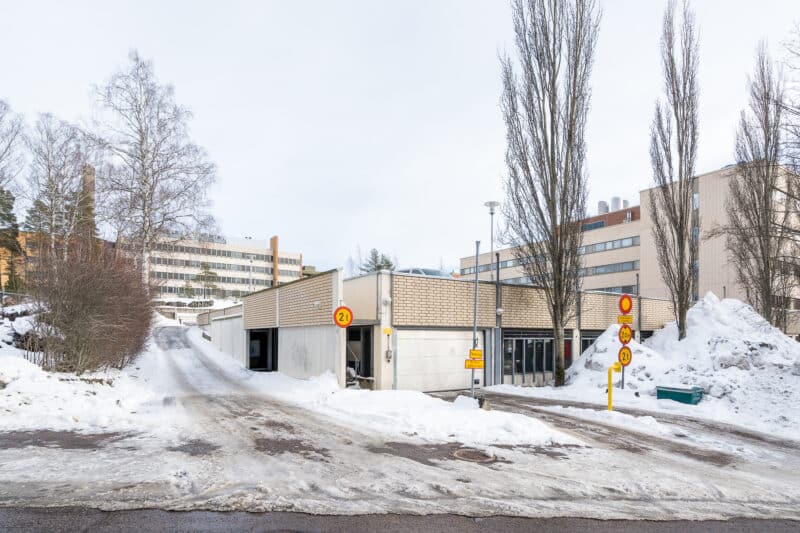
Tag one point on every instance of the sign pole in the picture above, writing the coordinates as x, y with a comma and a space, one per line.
475, 318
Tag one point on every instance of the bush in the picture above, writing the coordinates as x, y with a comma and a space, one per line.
94, 309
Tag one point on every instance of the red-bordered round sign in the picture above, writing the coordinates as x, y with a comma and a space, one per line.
343, 316
625, 334
625, 356
625, 304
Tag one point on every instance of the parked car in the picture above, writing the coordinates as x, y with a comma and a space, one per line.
428, 272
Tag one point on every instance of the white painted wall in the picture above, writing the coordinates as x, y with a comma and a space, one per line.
433, 360
308, 351
227, 334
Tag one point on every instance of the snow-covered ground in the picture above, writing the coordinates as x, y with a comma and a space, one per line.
750, 371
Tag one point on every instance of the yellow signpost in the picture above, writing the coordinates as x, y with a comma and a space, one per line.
616, 367
476, 354
473, 364
625, 319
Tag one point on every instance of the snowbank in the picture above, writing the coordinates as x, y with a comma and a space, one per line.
111, 400
749, 370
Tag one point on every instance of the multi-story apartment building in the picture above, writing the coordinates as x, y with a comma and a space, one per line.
241, 265
619, 254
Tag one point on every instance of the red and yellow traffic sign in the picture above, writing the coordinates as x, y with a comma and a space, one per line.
625, 304
625, 334
473, 364
625, 356
343, 316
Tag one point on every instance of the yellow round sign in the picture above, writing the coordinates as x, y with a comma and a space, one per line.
625, 334
343, 316
625, 356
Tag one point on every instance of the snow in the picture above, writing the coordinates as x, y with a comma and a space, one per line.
395, 414
110, 400
749, 370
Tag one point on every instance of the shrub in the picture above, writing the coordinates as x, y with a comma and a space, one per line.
94, 309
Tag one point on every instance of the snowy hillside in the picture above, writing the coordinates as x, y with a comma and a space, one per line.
749, 370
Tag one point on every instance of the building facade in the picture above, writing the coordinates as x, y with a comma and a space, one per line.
241, 266
620, 256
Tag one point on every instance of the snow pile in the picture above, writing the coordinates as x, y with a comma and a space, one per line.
111, 400
749, 370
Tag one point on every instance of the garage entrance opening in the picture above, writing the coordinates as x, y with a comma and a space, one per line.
263, 350
529, 357
359, 351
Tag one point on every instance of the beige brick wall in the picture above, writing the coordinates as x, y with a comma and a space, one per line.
308, 302
436, 302
260, 309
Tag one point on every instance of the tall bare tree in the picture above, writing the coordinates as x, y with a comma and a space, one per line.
673, 148
759, 234
58, 157
155, 185
11, 137
545, 104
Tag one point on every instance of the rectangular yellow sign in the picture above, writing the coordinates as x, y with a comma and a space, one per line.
476, 354
473, 364
625, 319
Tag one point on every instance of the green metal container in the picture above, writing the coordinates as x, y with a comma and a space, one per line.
691, 396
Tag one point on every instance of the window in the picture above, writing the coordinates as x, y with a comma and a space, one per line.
696, 200
593, 225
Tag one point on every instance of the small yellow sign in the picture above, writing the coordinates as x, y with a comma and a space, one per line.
476, 354
473, 364
624, 319
387, 331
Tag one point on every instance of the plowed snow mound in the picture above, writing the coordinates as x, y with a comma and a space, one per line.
746, 367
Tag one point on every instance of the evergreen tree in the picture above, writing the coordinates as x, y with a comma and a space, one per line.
376, 261
208, 279
188, 291
9, 240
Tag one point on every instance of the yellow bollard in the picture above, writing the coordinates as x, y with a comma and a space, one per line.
616, 367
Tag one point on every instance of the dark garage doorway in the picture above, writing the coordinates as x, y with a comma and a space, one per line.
263, 349
359, 351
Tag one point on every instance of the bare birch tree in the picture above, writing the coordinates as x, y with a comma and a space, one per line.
545, 103
11, 137
758, 234
156, 182
58, 156
673, 148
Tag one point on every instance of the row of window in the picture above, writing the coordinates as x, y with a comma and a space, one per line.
586, 249
609, 245
220, 279
178, 248
220, 293
211, 265
625, 266
624, 289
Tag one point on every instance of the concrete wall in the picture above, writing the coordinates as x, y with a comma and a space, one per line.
227, 334
361, 296
305, 352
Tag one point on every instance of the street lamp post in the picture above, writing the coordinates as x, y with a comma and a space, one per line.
491, 205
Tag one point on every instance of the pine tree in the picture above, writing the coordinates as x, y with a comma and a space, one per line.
208, 279
375, 262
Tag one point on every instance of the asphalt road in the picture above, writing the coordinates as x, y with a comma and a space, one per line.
81, 519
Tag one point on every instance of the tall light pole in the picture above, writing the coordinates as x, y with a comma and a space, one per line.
491, 205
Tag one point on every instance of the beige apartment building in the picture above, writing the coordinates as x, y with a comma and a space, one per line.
242, 265
619, 254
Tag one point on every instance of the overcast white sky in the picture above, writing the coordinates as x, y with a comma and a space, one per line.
372, 123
